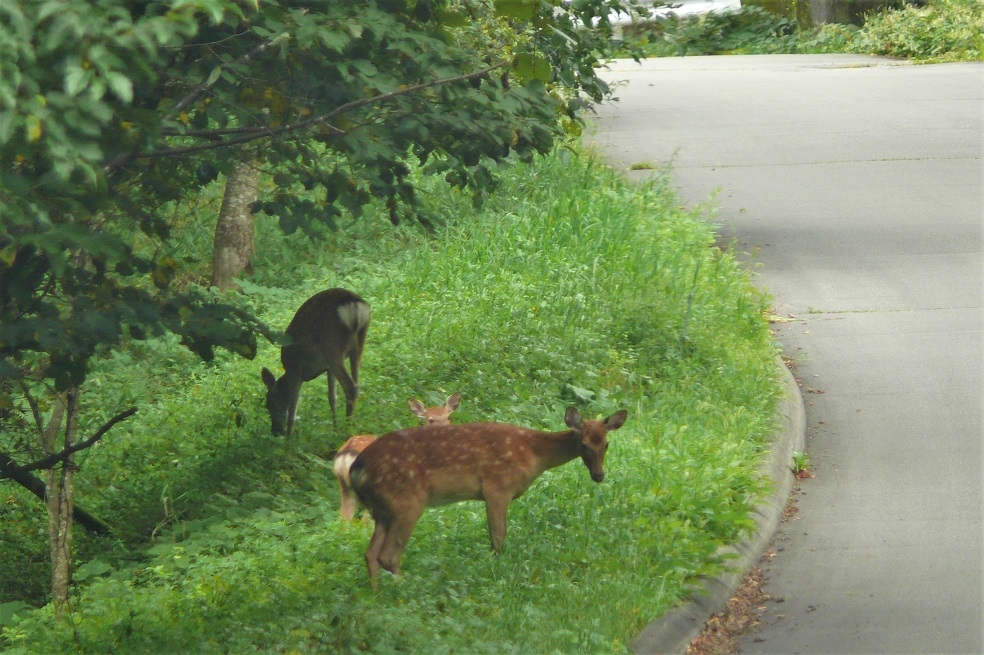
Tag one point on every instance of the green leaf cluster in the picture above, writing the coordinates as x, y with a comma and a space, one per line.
942, 30
114, 115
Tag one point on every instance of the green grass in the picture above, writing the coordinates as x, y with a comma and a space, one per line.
568, 287
940, 31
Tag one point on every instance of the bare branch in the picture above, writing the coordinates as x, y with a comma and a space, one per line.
35, 408
245, 135
10, 471
202, 87
197, 92
52, 459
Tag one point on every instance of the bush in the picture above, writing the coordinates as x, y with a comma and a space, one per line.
749, 30
942, 30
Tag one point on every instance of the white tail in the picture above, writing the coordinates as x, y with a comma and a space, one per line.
401, 473
440, 415
328, 328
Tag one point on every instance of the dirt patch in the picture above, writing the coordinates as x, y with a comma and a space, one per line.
744, 610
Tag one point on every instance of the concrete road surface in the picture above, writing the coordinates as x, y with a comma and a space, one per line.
855, 184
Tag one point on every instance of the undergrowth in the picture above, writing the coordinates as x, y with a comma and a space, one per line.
939, 31
568, 287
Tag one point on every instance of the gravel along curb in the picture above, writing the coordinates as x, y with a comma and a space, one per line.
671, 633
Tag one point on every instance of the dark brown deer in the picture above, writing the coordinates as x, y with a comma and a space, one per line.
329, 328
440, 415
401, 473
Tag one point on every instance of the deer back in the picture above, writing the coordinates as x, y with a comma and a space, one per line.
443, 464
326, 329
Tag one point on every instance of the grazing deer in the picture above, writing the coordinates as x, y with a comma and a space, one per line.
401, 473
328, 328
440, 415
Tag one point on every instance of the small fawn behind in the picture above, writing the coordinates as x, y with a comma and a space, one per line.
401, 473
440, 415
328, 328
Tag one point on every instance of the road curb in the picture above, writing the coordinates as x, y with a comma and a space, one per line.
671, 633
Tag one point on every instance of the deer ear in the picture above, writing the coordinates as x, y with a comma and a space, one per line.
573, 419
417, 408
268, 378
452, 402
616, 420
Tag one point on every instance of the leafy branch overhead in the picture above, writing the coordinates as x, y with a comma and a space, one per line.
111, 112
114, 116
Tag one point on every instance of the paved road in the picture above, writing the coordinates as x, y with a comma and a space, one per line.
857, 186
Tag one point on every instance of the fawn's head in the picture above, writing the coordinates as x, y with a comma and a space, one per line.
440, 415
594, 438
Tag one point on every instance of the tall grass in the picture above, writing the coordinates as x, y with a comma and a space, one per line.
568, 287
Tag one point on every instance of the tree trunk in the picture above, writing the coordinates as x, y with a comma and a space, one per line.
8, 471
233, 245
61, 486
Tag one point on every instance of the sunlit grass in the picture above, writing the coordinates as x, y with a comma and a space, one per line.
569, 287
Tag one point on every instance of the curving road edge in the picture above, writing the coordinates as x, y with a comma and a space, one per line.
671, 633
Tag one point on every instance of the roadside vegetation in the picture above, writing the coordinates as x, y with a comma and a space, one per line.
566, 287
940, 31
569, 286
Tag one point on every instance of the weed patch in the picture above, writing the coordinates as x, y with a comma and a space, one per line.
939, 31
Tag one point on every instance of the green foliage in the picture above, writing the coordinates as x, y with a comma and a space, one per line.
942, 30
114, 115
750, 30
801, 462
569, 286
111, 113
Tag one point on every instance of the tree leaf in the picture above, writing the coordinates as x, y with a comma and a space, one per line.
529, 67
120, 85
519, 9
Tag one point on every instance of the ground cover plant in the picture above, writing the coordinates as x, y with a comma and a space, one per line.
938, 31
116, 115
568, 287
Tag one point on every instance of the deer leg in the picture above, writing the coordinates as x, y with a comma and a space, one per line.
372, 552
396, 540
348, 386
495, 511
354, 360
332, 400
292, 411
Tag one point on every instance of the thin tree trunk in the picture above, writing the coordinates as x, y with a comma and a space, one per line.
8, 471
60, 484
233, 245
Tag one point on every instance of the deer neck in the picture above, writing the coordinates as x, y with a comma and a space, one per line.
556, 448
